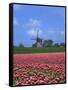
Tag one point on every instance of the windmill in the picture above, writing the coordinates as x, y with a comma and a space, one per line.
38, 40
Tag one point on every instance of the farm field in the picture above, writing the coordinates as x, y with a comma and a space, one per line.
20, 50
39, 68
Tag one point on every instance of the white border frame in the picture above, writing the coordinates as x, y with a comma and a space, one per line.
4, 44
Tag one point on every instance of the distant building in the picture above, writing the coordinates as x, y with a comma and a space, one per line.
38, 42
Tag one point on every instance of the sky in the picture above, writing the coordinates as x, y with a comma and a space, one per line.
28, 19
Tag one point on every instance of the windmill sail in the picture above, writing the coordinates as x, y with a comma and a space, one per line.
38, 40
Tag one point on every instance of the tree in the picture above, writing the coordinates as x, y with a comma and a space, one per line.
44, 43
47, 43
50, 43
34, 45
21, 45
62, 44
56, 45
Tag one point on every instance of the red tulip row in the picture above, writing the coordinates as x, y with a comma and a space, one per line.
33, 71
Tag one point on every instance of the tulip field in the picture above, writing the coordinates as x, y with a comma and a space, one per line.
39, 69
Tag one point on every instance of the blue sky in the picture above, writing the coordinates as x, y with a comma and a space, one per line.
27, 19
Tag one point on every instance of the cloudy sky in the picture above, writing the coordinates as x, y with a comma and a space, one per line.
28, 19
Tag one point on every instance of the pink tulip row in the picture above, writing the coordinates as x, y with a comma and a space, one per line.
48, 57
32, 71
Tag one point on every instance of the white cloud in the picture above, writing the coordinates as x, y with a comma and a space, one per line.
33, 32
33, 26
33, 23
54, 31
50, 31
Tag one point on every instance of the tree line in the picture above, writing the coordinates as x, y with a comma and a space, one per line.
46, 43
50, 43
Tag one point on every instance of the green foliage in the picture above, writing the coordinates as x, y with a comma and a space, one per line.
56, 45
34, 45
62, 44
32, 72
21, 45
48, 43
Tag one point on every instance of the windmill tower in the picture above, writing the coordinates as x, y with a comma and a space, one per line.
38, 40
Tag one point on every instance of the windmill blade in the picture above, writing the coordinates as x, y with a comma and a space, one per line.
33, 38
42, 39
